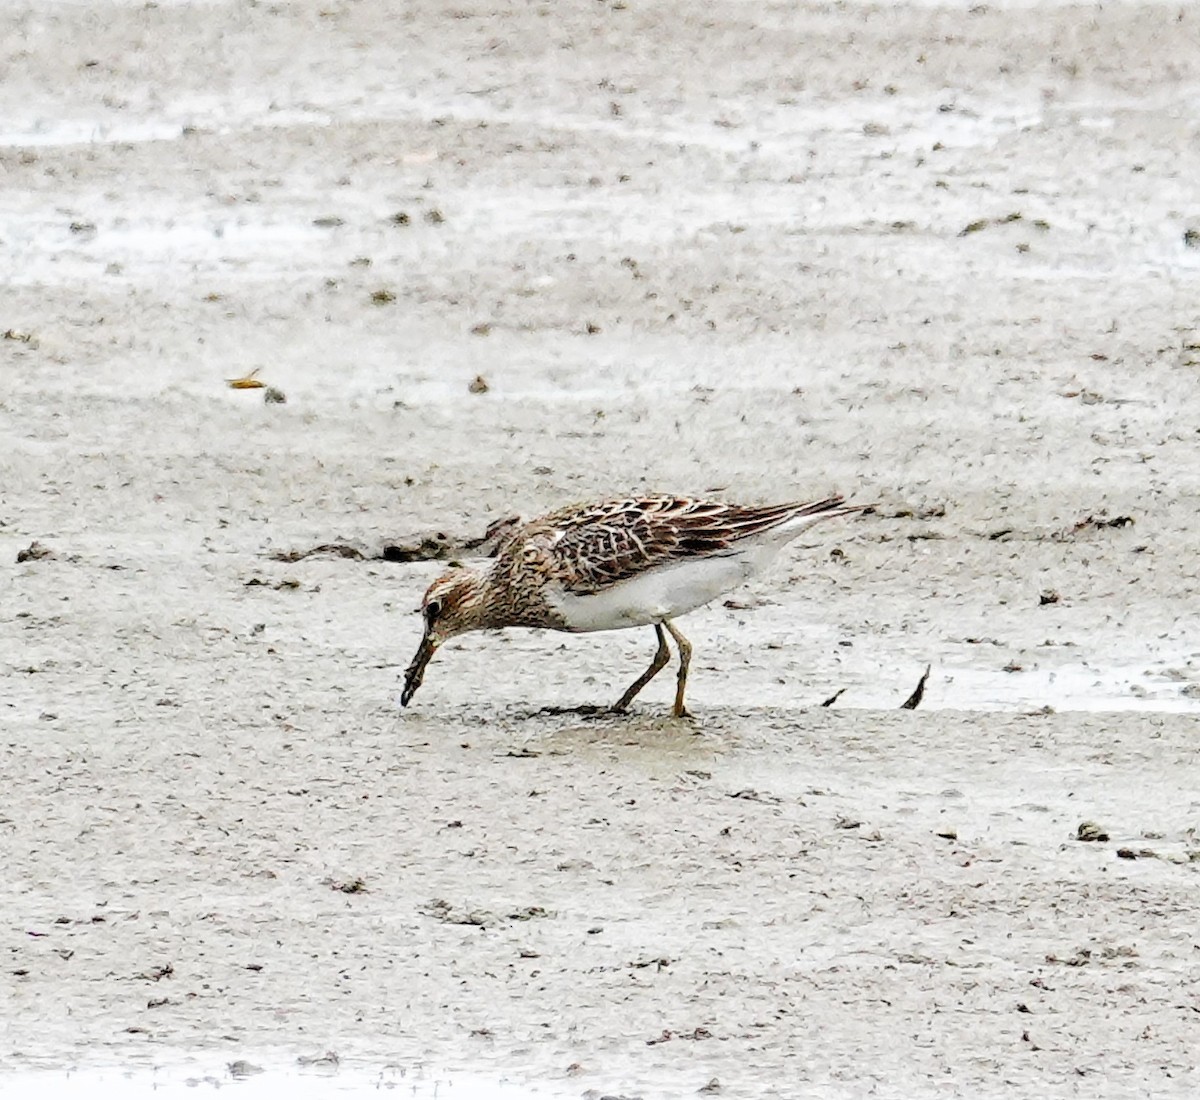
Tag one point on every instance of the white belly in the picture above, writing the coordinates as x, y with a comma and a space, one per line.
659, 594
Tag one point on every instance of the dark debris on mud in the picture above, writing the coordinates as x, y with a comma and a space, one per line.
914, 700
433, 546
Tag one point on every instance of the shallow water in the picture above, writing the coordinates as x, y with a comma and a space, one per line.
190, 1078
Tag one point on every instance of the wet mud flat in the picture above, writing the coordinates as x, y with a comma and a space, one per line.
815, 898
464, 262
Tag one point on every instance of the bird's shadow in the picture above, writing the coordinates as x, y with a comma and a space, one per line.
584, 710
594, 713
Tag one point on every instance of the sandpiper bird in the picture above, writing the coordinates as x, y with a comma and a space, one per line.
607, 566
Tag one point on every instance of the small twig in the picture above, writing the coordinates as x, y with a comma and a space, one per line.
833, 698
914, 700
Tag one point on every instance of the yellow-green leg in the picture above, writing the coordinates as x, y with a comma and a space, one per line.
661, 657
685, 658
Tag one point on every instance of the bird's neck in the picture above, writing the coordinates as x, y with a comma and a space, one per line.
498, 603
488, 610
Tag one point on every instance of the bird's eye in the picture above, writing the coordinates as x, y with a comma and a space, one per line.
432, 610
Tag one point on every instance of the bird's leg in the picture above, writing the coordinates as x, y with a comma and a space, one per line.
661, 657
685, 658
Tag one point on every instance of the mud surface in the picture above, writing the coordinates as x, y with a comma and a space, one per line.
494, 260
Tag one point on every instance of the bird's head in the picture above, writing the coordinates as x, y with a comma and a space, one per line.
452, 605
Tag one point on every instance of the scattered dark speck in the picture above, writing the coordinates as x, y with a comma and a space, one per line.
242, 1068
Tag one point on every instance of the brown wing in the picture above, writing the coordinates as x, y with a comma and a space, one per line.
594, 547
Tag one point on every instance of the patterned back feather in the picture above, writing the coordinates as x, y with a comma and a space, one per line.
590, 548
